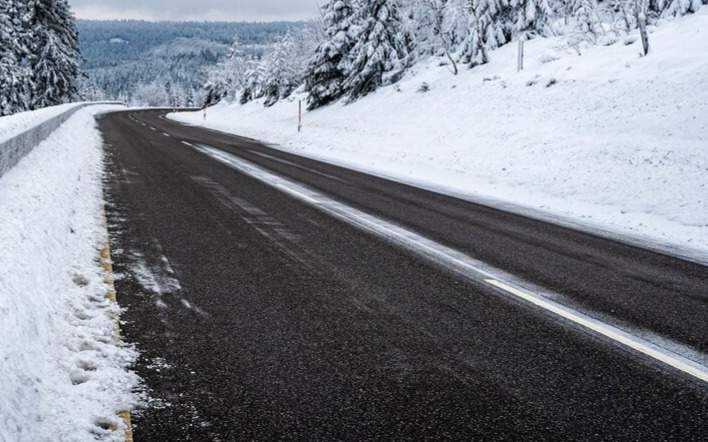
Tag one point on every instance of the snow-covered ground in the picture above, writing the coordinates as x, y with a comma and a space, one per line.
13, 125
607, 140
64, 376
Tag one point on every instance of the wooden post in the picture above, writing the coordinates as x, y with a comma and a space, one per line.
520, 61
640, 15
299, 116
643, 32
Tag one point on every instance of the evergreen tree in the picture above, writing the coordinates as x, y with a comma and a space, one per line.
531, 17
490, 27
15, 78
674, 8
55, 47
438, 26
382, 49
326, 72
584, 13
252, 85
280, 76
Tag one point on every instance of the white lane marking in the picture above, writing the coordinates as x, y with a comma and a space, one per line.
153, 129
290, 163
609, 331
471, 268
165, 134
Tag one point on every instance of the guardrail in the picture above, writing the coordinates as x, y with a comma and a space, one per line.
14, 149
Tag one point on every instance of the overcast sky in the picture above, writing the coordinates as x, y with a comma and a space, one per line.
216, 10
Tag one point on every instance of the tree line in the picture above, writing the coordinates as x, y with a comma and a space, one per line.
39, 54
361, 45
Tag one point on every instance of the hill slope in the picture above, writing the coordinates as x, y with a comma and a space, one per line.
121, 57
608, 140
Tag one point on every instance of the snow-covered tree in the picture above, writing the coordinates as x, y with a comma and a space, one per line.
285, 66
151, 94
490, 26
280, 76
327, 69
15, 77
227, 78
252, 89
674, 8
531, 17
55, 60
440, 25
382, 49
585, 20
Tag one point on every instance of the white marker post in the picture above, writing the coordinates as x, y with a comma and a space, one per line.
299, 116
520, 61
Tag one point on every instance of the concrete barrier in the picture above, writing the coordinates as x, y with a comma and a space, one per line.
14, 149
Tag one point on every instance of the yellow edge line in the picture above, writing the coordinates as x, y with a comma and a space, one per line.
109, 280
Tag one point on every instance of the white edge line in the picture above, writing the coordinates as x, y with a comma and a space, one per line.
669, 358
488, 275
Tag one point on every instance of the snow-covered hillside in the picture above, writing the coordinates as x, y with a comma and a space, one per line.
607, 139
64, 376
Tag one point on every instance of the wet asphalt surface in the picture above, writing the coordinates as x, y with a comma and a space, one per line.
259, 317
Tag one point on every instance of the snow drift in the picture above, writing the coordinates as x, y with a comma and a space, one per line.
64, 377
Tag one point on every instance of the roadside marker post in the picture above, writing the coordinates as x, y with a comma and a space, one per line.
299, 116
520, 61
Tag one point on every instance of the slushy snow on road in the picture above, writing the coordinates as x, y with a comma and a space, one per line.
64, 375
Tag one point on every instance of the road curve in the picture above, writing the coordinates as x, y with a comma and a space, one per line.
261, 316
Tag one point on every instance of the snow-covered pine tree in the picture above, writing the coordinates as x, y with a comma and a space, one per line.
382, 49
55, 47
252, 89
227, 78
675, 8
15, 77
532, 17
437, 25
491, 26
10, 96
455, 26
421, 19
584, 14
327, 69
280, 78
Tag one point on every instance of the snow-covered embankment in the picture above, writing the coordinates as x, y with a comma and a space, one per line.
607, 140
64, 376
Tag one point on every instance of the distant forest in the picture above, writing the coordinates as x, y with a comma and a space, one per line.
137, 61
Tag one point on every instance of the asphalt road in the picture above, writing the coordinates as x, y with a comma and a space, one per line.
260, 316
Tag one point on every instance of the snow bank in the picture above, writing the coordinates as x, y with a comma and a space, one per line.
13, 125
607, 140
63, 375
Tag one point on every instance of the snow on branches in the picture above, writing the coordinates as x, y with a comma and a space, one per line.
366, 44
39, 55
